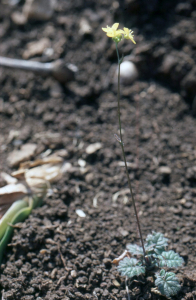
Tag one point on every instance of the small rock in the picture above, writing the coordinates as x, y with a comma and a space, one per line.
123, 231
43, 251
18, 156
89, 177
36, 48
190, 276
56, 90
18, 18
168, 63
186, 239
164, 170
67, 167
80, 213
82, 163
184, 9
182, 201
25, 133
93, 148
73, 273
189, 82
191, 173
62, 153
144, 198
49, 138
105, 293
85, 27
49, 117
38, 9
53, 273
12, 135
188, 204
161, 209
184, 253
128, 72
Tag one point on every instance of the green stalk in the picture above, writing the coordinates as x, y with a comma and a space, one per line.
20, 216
18, 212
124, 157
10, 213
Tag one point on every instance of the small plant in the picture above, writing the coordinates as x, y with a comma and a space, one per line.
152, 255
156, 258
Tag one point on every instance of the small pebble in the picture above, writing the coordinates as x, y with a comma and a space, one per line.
182, 201
128, 72
80, 213
85, 27
93, 148
164, 170
116, 283
81, 162
73, 273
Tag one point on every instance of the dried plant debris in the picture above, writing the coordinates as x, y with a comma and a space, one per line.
31, 177
26, 190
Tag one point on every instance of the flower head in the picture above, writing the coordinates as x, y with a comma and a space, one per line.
112, 32
128, 34
117, 34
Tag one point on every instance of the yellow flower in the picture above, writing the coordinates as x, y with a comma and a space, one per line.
113, 32
128, 34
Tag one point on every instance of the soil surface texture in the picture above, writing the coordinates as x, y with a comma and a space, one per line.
56, 254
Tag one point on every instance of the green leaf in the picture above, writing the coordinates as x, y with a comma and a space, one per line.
167, 283
135, 249
150, 249
159, 241
170, 259
130, 267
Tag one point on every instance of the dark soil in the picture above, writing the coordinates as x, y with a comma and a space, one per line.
55, 254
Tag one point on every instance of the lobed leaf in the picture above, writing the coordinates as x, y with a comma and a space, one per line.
150, 249
170, 259
135, 249
167, 283
159, 241
130, 267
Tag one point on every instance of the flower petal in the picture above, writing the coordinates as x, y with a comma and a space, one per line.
115, 26
110, 34
119, 31
105, 29
126, 30
132, 39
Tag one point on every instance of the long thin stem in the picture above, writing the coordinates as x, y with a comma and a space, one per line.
124, 157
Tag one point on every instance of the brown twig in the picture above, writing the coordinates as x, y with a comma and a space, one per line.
62, 258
